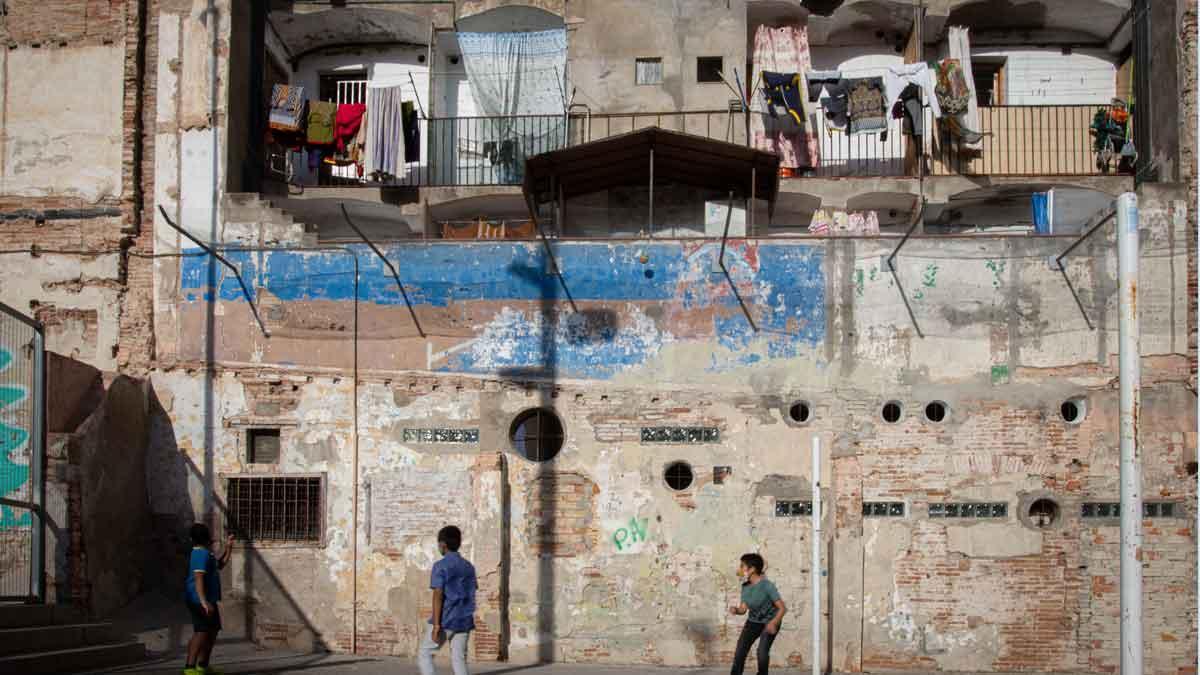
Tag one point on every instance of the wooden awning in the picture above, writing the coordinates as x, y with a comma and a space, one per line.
627, 159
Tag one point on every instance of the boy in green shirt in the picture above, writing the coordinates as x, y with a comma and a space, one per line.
760, 599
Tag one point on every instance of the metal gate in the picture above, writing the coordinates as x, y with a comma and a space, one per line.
22, 452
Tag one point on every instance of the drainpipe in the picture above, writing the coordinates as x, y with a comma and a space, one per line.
1131, 470
816, 556
1196, 216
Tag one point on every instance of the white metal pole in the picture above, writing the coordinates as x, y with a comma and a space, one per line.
816, 556
1131, 463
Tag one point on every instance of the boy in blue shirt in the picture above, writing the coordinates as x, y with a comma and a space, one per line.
203, 591
453, 583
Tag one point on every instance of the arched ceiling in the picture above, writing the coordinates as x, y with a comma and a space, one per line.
304, 33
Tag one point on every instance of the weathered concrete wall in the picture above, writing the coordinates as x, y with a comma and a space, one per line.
592, 557
609, 36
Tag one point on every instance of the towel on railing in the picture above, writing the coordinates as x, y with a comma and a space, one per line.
783, 90
287, 107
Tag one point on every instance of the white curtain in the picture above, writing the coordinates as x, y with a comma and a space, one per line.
517, 74
960, 48
385, 133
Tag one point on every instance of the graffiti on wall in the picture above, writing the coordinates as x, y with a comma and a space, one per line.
629, 535
13, 442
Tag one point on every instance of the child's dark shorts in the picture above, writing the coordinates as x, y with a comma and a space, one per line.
205, 623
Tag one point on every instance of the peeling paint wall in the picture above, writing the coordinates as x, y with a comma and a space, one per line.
592, 557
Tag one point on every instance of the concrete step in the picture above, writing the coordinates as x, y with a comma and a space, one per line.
92, 657
21, 616
32, 639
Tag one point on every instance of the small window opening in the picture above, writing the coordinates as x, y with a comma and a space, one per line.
709, 68
678, 475
892, 412
262, 446
648, 71
935, 411
1043, 512
537, 434
799, 412
1073, 410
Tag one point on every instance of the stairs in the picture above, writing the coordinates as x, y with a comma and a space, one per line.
251, 220
59, 639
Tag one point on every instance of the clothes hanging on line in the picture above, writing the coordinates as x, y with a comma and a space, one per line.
908, 107
839, 223
287, 108
953, 94
385, 148
321, 116
785, 127
783, 90
866, 105
815, 82
349, 119
897, 79
412, 132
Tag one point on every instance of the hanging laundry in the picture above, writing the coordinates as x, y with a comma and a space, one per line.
359, 143
955, 126
784, 50
866, 107
909, 109
385, 133
783, 90
840, 223
287, 107
815, 82
836, 104
953, 95
412, 132
347, 123
897, 79
1041, 212
321, 116
960, 49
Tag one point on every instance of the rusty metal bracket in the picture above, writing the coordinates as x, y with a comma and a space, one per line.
1097, 221
395, 275
232, 268
896, 277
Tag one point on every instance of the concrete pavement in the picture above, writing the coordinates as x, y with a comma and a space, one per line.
244, 659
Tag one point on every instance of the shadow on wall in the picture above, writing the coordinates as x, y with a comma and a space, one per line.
159, 616
578, 327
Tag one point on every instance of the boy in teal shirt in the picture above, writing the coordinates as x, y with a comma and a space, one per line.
760, 599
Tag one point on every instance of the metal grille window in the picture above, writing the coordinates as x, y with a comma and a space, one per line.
969, 510
262, 446
883, 509
649, 71
792, 508
285, 509
1113, 510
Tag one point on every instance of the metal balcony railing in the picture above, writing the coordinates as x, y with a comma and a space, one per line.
1019, 141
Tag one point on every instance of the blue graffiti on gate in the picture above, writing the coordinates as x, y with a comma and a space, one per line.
12, 439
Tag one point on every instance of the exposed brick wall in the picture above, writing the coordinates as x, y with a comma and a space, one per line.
1187, 151
40, 22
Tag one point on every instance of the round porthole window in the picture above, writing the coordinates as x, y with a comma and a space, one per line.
537, 434
936, 411
1074, 410
892, 412
678, 475
800, 413
1043, 513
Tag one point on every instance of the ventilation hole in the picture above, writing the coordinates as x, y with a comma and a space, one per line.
891, 412
678, 475
1074, 410
537, 434
935, 411
1043, 513
1191, 468
799, 412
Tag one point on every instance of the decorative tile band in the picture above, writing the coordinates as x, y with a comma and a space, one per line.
1113, 510
969, 510
883, 509
792, 508
441, 435
681, 435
